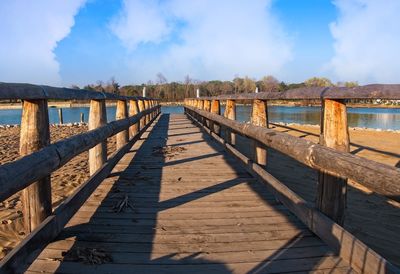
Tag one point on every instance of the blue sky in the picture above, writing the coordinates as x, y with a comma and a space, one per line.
83, 41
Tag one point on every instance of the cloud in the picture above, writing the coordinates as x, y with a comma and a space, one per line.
204, 38
140, 21
367, 41
30, 31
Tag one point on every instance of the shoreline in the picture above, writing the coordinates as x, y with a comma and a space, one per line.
78, 124
10, 106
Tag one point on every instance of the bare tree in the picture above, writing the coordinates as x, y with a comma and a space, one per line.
187, 82
269, 84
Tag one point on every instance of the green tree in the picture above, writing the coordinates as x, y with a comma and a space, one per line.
318, 82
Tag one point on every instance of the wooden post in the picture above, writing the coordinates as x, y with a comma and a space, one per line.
146, 106
207, 107
133, 110
35, 134
60, 116
82, 117
122, 113
151, 105
259, 117
216, 109
332, 190
202, 107
97, 118
141, 108
230, 113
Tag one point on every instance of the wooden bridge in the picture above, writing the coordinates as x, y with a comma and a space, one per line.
180, 196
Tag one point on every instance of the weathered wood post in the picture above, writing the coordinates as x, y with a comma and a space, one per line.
97, 118
259, 117
133, 110
197, 105
60, 116
35, 134
122, 137
216, 109
332, 190
201, 107
230, 113
147, 106
141, 108
151, 106
207, 107
82, 117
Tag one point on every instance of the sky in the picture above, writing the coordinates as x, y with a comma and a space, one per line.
68, 42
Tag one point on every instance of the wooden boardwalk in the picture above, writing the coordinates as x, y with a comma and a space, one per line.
178, 203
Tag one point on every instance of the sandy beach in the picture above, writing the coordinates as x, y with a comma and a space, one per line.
372, 218
64, 181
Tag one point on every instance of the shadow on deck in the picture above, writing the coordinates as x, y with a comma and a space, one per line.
178, 213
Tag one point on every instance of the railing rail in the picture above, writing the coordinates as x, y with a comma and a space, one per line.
36, 92
330, 157
381, 178
31, 173
375, 91
358, 255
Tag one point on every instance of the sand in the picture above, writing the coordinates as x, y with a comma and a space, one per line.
64, 181
372, 218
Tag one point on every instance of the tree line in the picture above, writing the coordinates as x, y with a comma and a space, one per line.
177, 91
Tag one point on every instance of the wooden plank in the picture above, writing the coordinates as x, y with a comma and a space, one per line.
226, 257
35, 135
332, 190
184, 247
193, 265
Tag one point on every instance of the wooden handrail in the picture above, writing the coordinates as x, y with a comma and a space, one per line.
54, 223
358, 255
376, 91
35, 92
381, 178
19, 174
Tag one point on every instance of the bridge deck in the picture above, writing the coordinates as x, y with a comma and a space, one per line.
191, 208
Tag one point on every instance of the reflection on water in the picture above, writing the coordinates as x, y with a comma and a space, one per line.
357, 117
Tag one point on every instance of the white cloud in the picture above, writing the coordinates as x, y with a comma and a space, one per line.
30, 31
204, 38
140, 21
367, 41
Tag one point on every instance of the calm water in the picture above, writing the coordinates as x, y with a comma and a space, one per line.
358, 117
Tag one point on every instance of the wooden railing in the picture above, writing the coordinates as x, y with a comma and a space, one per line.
330, 157
31, 173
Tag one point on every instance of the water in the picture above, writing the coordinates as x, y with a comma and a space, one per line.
382, 118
